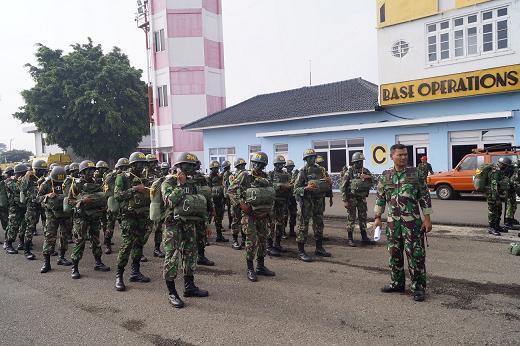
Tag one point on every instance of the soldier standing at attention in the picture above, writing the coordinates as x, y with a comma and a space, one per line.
496, 194
292, 207
202, 227
403, 192
226, 173
102, 169
151, 169
424, 167
73, 174
509, 218
216, 183
236, 226
310, 188
16, 226
355, 187
253, 192
4, 204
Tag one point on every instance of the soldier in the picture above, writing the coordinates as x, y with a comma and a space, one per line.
424, 167
151, 170
73, 174
355, 187
281, 181
89, 205
253, 192
310, 188
509, 217
292, 207
4, 205
496, 193
186, 208
402, 191
134, 200
226, 173
202, 226
102, 169
329, 194
215, 182
16, 224
50, 195
236, 225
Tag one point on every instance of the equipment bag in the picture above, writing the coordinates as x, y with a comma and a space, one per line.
4, 202
260, 198
113, 204
360, 187
217, 192
514, 248
98, 201
322, 184
481, 177
156, 201
192, 207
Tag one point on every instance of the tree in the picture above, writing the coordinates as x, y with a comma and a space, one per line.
15, 155
3, 147
94, 103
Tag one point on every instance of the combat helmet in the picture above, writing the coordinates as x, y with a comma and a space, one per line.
86, 164
58, 174
214, 164
186, 157
122, 162
137, 157
357, 157
279, 159
260, 157
239, 162
20, 168
102, 164
40, 164
308, 153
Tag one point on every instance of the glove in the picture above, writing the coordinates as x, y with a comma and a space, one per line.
311, 187
139, 188
246, 208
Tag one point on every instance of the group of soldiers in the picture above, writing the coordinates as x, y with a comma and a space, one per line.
177, 205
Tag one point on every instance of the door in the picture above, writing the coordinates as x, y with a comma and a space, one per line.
463, 174
420, 152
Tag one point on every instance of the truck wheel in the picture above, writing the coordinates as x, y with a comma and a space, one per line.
444, 192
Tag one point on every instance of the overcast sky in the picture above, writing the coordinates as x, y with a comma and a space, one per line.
267, 43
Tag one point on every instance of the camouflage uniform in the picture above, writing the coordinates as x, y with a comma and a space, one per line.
292, 206
511, 204
4, 205
16, 221
109, 184
216, 183
29, 189
69, 223
425, 169
157, 226
402, 193
281, 181
225, 178
199, 179
236, 225
495, 195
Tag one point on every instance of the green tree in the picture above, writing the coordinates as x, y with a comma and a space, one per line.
93, 102
3, 147
15, 155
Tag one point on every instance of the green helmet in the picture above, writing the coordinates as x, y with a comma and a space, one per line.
214, 164
137, 157
279, 159
20, 168
122, 162
165, 165
74, 167
319, 159
54, 164
102, 164
87, 164
308, 153
239, 162
289, 163
67, 167
39, 164
226, 164
58, 174
357, 157
151, 158
9, 170
260, 157
186, 158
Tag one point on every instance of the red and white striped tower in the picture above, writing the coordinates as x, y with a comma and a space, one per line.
187, 71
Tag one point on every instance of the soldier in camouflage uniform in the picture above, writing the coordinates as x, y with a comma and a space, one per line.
355, 187
186, 208
281, 181
496, 193
4, 204
403, 192
134, 200
89, 203
152, 170
246, 190
16, 224
73, 174
50, 195
509, 218
236, 225
425, 168
202, 225
102, 169
310, 188
292, 206
226, 173
216, 183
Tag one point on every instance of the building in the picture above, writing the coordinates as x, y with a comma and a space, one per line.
449, 82
186, 71
41, 148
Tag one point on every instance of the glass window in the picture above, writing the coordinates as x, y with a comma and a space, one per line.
213, 151
338, 160
254, 149
487, 37
165, 95
432, 48
472, 41
469, 163
502, 12
502, 34
458, 22
487, 15
222, 154
337, 144
382, 14
281, 149
357, 142
472, 19
494, 158
459, 42
445, 25
321, 145
445, 46
432, 28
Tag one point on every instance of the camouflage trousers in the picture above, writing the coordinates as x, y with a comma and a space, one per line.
50, 234
511, 204
358, 207
86, 227
494, 210
16, 223
406, 236
32, 216
278, 218
180, 247
256, 231
4, 219
236, 225
156, 228
200, 234
219, 213
111, 219
292, 212
310, 208
230, 213
133, 230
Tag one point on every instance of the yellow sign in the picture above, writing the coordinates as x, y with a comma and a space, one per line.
379, 154
490, 81
464, 3
390, 12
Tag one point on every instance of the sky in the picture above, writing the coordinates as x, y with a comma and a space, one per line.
267, 44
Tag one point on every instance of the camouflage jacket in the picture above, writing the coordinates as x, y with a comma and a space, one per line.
47, 187
12, 187
131, 201
244, 180
29, 188
346, 181
499, 183
173, 193
109, 182
403, 193
225, 177
305, 174
425, 168
279, 180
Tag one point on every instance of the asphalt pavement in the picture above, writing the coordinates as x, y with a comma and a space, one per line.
473, 298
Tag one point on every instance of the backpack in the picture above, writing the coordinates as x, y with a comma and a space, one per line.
514, 248
156, 200
481, 177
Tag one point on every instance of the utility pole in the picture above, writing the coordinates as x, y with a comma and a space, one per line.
310, 72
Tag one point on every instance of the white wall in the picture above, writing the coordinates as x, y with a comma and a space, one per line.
186, 51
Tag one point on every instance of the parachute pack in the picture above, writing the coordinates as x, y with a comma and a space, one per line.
481, 177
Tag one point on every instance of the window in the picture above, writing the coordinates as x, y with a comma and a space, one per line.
459, 42
494, 158
337, 154
400, 49
158, 40
281, 149
254, 149
162, 95
222, 154
445, 46
487, 37
382, 14
469, 163
472, 41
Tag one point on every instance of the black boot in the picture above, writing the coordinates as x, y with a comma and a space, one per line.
157, 251
515, 221
365, 240
9, 248
21, 245
46, 264
236, 244
135, 274
320, 251
62, 260
202, 259
302, 255
75, 271
350, 239
278, 244
27, 251
54, 253
392, 288
271, 250
120, 284
284, 235
493, 230
243, 243
251, 274
502, 229
99, 266
173, 296
220, 238
419, 295
190, 290
261, 269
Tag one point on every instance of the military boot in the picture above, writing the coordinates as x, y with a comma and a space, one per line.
393, 288
236, 244
173, 296
251, 274
190, 290
100, 266
419, 295
302, 255
75, 271
493, 230
261, 269
9, 249
243, 243
120, 284
157, 251
62, 260
135, 274
108, 249
46, 264
144, 258
350, 239
202, 259
278, 244
320, 251
21, 245
502, 229
515, 221
27, 251
220, 238
365, 240
271, 250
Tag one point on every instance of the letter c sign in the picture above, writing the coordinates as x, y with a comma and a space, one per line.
379, 154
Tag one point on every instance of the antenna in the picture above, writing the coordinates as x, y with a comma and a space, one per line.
310, 72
